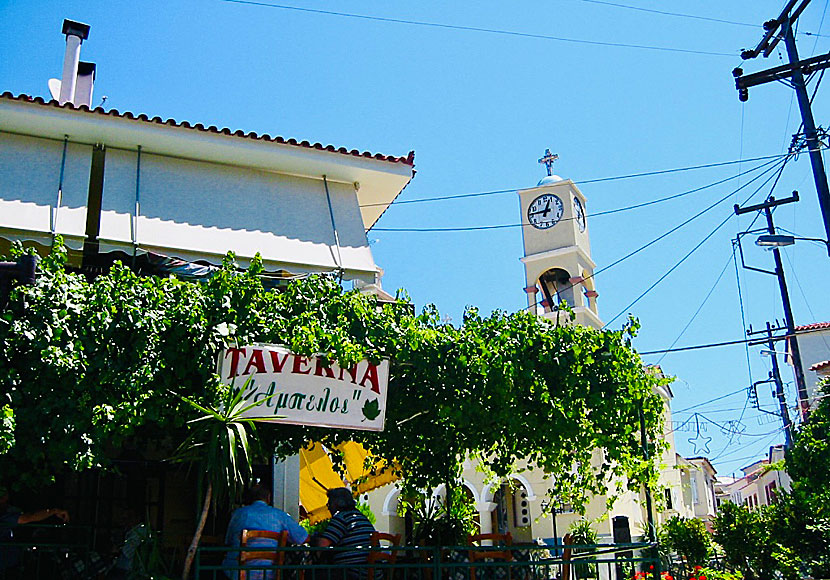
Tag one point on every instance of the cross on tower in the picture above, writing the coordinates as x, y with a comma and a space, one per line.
548, 160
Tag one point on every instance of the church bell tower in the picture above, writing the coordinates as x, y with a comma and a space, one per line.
557, 250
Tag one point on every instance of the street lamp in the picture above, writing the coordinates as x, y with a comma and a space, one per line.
780, 240
767, 352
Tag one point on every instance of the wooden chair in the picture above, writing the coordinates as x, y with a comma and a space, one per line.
380, 556
495, 554
275, 557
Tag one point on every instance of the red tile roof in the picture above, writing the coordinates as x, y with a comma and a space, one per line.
820, 365
813, 326
408, 160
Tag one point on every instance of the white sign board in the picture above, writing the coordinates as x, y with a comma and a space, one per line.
301, 390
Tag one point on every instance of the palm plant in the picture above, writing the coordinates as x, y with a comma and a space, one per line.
220, 443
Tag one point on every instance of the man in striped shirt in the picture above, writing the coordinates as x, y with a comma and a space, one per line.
348, 528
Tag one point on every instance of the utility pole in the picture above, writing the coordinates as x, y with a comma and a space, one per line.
779, 29
785, 296
779, 388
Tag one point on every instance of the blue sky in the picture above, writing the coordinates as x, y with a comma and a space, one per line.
479, 108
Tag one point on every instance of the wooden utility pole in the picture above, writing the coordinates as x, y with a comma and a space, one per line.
785, 296
775, 376
779, 29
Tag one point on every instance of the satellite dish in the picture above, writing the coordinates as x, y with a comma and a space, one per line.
55, 88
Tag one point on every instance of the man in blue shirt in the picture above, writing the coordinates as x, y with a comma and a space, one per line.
258, 515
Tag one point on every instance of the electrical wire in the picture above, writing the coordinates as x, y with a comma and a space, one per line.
479, 29
521, 224
727, 343
726, 429
743, 310
699, 308
684, 258
587, 181
680, 15
674, 229
676, 14
697, 405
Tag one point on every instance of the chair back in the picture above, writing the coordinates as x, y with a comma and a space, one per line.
276, 558
567, 540
494, 554
380, 556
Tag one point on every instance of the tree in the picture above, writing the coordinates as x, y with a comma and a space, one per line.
801, 522
688, 538
745, 537
220, 444
86, 365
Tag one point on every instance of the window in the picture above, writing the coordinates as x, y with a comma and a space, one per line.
769, 492
695, 498
668, 499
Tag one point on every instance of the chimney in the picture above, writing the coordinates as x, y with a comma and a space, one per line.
75, 33
86, 78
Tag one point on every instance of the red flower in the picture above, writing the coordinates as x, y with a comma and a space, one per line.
702, 577
698, 568
651, 567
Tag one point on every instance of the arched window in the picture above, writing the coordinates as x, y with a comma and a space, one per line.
557, 288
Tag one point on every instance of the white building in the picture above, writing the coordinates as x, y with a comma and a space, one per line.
814, 347
167, 193
759, 484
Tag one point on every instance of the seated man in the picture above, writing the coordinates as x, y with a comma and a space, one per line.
347, 528
10, 518
258, 515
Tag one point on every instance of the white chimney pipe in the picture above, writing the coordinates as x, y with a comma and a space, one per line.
86, 79
76, 33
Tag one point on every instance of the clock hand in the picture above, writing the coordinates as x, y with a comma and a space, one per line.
547, 209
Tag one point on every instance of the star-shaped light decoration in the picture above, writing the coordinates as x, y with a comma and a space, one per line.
701, 443
735, 429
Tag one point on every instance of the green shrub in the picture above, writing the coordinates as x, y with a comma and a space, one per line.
688, 538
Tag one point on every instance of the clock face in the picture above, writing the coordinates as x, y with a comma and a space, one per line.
579, 214
545, 211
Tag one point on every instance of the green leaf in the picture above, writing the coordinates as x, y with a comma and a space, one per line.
371, 409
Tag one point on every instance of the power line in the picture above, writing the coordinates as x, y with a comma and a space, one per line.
672, 269
665, 13
698, 346
743, 311
479, 29
699, 308
674, 229
606, 212
586, 181
693, 250
741, 390
680, 15
727, 343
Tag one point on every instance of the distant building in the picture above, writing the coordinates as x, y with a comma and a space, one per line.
759, 484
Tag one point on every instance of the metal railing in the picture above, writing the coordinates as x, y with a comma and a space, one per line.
529, 562
48, 551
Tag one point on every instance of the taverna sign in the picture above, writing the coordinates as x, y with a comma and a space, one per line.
301, 390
